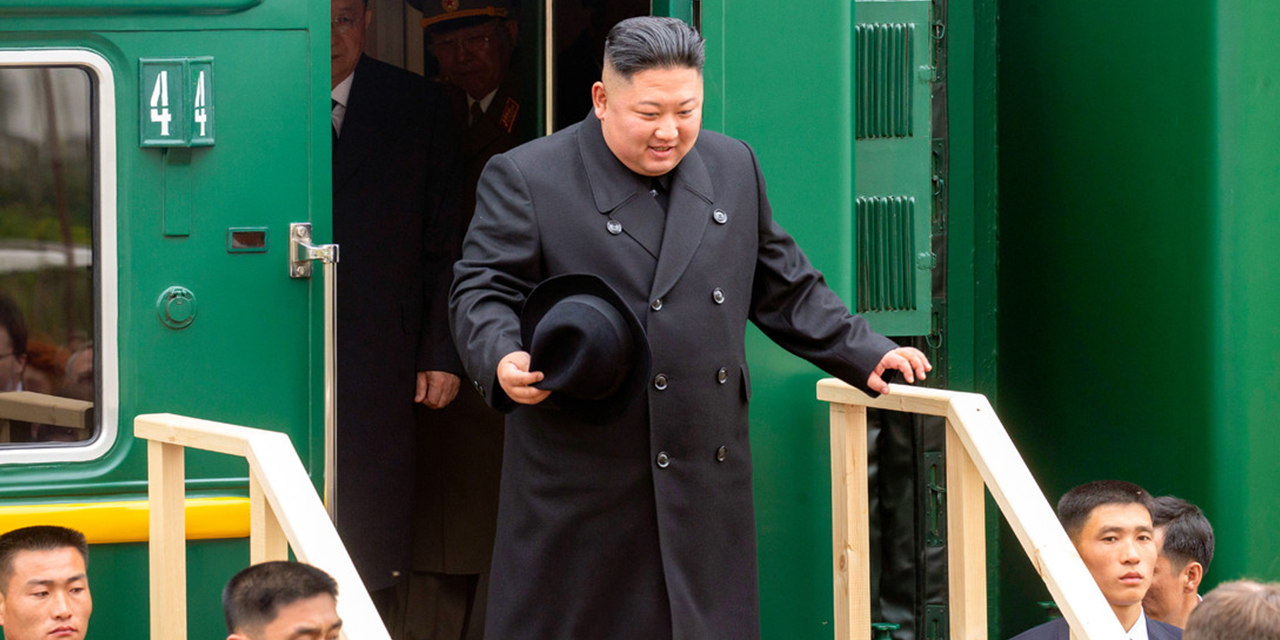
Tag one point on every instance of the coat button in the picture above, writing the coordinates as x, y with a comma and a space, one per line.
722, 453
663, 460
613, 226
660, 381
656, 305
722, 375
479, 388
718, 295
720, 216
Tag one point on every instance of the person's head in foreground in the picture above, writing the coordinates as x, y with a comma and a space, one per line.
281, 601
1243, 610
649, 98
1109, 522
1185, 541
44, 585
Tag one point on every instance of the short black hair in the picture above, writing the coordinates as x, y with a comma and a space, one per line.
1076, 505
37, 538
253, 598
11, 318
1187, 533
651, 42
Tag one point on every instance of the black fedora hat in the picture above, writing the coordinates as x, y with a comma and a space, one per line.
588, 344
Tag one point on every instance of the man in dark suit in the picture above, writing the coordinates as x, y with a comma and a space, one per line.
642, 527
1109, 522
394, 202
1185, 539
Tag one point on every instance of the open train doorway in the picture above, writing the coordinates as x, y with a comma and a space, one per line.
556, 49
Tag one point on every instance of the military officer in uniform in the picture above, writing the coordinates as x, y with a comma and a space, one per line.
643, 526
460, 446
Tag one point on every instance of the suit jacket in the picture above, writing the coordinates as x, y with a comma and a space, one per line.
505, 125
643, 528
1059, 630
394, 196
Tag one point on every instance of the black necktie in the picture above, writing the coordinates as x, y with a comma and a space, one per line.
477, 112
332, 122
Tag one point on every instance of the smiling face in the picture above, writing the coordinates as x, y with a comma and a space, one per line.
47, 596
652, 120
1118, 546
477, 57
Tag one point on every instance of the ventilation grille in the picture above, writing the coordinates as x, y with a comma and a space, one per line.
884, 80
885, 264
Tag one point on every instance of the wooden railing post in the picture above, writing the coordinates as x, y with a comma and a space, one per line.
166, 495
267, 540
851, 544
966, 542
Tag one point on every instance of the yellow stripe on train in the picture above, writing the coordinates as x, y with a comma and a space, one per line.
126, 521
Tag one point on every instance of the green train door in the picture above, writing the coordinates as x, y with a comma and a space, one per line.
153, 157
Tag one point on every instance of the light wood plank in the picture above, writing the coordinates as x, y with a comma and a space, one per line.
966, 543
922, 400
1031, 518
193, 432
310, 532
166, 478
267, 540
851, 544
40, 408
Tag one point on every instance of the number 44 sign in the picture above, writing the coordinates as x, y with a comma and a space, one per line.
176, 102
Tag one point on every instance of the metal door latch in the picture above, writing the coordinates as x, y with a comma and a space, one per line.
302, 252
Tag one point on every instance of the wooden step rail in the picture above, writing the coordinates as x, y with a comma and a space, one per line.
284, 512
978, 451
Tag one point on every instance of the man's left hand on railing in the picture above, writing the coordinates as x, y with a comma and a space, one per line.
910, 361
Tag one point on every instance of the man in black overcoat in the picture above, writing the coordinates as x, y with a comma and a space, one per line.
394, 200
642, 527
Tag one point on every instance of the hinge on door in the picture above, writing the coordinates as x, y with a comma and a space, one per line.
935, 622
935, 509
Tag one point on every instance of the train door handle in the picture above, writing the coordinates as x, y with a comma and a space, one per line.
301, 254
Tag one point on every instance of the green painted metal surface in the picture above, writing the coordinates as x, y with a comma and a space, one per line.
252, 354
787, 91
1138, 316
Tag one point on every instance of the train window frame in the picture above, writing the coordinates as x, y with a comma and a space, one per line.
102, 93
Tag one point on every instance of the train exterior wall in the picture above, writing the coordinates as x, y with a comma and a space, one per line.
1138, 316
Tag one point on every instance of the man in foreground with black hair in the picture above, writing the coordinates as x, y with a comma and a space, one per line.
281, 601
1185, 539
1109, 522
44, 584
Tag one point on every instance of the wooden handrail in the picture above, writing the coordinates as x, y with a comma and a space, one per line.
284, 513
979, 453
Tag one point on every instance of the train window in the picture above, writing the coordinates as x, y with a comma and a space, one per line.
52, 181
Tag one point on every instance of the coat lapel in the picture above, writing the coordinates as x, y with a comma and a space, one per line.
617, 190
357, 137
687, 215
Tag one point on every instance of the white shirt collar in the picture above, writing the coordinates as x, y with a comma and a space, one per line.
341, 94
484, 102
1139, 630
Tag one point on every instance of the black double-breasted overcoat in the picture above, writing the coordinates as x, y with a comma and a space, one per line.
643, 528
395, 199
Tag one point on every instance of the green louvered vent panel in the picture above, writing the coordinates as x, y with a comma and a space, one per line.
884, 80
886, 273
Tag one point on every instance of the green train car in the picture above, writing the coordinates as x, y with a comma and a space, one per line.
1069, 204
